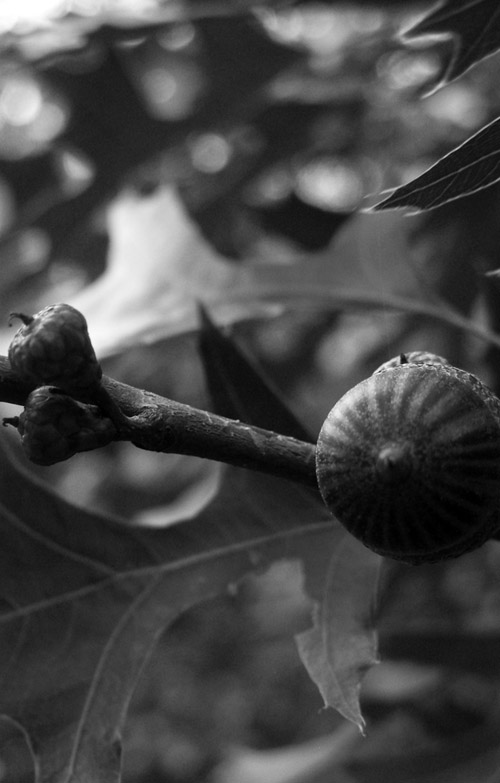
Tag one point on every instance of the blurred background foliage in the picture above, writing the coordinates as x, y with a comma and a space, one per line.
271, 126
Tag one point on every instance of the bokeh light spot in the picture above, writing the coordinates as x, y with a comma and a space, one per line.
20, 101
330, 183
210, 153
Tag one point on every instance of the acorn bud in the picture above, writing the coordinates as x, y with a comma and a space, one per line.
53, 347
54, 426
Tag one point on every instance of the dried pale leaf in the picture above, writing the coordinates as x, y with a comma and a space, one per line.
159, 266
342, 644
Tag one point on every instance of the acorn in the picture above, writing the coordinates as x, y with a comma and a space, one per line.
409, 461
54, 427
414, 357
53, 347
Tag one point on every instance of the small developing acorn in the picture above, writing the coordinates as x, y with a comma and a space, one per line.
53, 347
54, 426
414, 357
409, 461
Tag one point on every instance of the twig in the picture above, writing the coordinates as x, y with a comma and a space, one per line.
156, 423
159, 424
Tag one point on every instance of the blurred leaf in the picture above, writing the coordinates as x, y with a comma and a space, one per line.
160, 267
238, 388
300, 763
473, 26
342, 645
310, 226
97, 594
85, 599
469, 651
469, 168
407, 750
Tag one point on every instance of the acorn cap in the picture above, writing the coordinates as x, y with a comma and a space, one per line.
409, 462
54, 426
53, 347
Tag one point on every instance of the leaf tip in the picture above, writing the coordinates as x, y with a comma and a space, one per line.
373, 201
389, 203
203, 314
438, 85
421, 26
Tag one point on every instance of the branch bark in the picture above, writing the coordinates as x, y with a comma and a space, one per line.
156, 423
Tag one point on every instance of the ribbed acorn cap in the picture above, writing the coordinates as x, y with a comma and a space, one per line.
409, 462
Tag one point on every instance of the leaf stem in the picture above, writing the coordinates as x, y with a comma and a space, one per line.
344, 299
